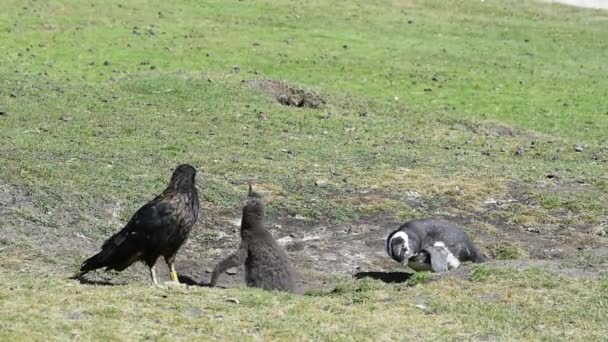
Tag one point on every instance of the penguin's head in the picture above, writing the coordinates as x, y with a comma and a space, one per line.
253, 208
398, 247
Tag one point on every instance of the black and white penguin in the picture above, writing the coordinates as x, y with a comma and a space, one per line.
431, 245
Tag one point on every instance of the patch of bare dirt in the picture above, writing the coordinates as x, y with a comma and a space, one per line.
288, 95
320, 252
495, 130
13, 198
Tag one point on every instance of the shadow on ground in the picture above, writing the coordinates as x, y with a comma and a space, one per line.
387, 277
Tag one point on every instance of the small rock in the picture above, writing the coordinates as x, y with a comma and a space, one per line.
551, 175
233, 300
285, 240
299, 217
13, 94
2, 112
534, 230
436, 78
520, 151
321, 182
600, 231
421, 306
232, 271
236, 68
579, 148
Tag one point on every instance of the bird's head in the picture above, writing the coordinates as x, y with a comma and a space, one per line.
398, 246
183, 177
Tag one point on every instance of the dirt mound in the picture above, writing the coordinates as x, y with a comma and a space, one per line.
494, 130
288, 95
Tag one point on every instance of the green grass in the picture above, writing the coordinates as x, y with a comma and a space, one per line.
433, 108
503, 304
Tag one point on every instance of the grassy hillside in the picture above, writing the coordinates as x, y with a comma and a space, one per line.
489, 114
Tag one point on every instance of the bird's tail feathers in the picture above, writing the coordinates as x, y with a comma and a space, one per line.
105, 258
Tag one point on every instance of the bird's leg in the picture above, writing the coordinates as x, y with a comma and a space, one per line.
153, 275
173, 272
171, 264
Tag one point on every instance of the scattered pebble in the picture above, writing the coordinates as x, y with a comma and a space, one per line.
600, 231
285, 240
321, 182
233, 300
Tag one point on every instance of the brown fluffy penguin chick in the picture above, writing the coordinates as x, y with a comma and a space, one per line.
266, 264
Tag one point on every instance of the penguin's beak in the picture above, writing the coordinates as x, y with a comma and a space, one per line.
405, 254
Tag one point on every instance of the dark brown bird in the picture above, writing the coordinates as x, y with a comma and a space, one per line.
266, 264
159, 228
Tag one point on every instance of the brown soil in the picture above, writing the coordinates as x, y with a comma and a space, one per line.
288, 95
320, 252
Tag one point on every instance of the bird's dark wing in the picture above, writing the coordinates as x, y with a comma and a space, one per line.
155, 216
149, 227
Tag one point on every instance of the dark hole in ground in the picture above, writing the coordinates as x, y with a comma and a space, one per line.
288, 95
387, 277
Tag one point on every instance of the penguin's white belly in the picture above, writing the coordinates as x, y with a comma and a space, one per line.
436, 258
452, 260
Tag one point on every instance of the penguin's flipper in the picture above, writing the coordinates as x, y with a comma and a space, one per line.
439, 258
